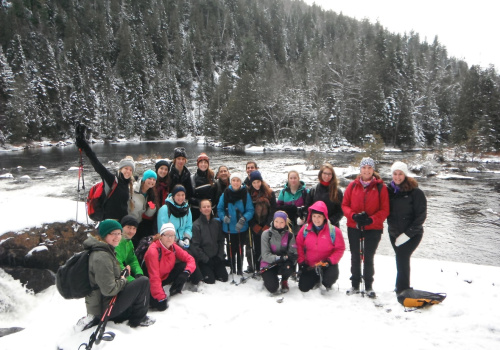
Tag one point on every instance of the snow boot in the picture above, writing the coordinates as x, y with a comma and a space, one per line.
353, 291
284, 286
370, 293
145, 322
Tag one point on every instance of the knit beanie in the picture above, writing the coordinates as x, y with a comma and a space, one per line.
107, 226
167, 227
160, 163
180, 152
127, 161
255, 175
367, 161
202, 156
399, 166
129, 220
236, 175
280, 214
149, 174
177, 189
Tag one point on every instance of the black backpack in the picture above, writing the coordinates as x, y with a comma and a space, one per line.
142, 248
72, 279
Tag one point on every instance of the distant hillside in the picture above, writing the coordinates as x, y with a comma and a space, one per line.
237, 70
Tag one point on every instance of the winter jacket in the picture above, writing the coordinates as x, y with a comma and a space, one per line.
218, 189
179, 215
289, 202
208, 239
160, 268
275, 244
321, 193
408, 212
201, 189
116, 206
370, 200
316, 247
162, 190
184, 179
235, 210
126, 256
104, 272
141, 206
264, 207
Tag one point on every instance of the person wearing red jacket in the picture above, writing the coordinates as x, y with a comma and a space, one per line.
320, 245
162, 268
366, 206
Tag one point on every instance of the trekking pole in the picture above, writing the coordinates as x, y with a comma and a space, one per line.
99, 333
241, 256
231, 258
267, 268
362, 258
250, 242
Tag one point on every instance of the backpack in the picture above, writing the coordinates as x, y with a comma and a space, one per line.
418, 298
142, 248
96, 199
72, 279
332, 232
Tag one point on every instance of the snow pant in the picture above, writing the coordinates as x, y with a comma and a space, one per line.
403, 254
234, 251
132, 302
309, 277
256, 250
270, 277
214, 269
371, 241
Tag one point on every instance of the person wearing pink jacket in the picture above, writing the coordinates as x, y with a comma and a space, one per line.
160, 259
320, 246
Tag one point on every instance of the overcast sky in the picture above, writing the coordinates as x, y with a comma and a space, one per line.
468, 29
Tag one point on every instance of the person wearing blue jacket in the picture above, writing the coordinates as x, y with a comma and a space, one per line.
176, 210
235, 210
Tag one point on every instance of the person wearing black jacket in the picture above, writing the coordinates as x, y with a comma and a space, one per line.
207, 245
408, 211
202, 182
327, 191
117, 205
221, 183
179, 173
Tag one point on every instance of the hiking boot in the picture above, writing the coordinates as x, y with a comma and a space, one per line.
370, 293
284, 286
249, 270
86, 322
145, 322
353, 291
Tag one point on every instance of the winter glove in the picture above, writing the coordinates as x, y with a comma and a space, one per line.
325, 263
227, 219
359, 218
300, 222
302, 212
151, 205
125, 273
281, 258
402, 239
256, 228
184, 243
367, 221
179, 282
162, 305
240, 223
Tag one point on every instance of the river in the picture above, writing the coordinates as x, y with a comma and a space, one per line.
462, 223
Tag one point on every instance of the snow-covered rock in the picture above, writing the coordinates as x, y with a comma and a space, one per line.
25, 178
6, 176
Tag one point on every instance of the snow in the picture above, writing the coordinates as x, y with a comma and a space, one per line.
36, 249
454, 177
246, 316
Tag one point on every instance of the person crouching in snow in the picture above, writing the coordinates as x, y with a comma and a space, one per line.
176, 210
208, 245
279, 253
168, 263
125, 250
132, 301
320, 246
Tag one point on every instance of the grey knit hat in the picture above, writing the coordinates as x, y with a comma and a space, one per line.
127, 161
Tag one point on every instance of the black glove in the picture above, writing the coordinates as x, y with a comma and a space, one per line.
80, 137
161, 305
368, 221
359, 218
178, 284
301, 212
125, 273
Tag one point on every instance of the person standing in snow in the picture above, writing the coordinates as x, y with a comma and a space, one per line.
125, 249
279, 253
366, 206
235, 210
207, 245
250, 167
264, 203
162, 186
179, 173
117, 205
143, 205
167, 263
292, 197
202, 182
132, 299
221, 183
408, 211
320, 246
176, 210
327, 191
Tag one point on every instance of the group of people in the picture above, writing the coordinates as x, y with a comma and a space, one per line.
196, 225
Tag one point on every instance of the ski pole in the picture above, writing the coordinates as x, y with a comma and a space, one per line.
231, 257
362, 257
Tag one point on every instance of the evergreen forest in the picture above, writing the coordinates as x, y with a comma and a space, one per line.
239, 71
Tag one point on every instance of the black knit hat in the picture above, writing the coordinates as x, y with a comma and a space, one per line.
129, 220
180, 152
160, 163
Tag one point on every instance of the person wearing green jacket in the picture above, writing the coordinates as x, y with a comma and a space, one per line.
125, 249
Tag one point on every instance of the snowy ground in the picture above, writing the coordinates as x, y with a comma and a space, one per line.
246, 316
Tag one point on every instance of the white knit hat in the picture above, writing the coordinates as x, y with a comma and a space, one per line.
399, 166
236, 175
167, 227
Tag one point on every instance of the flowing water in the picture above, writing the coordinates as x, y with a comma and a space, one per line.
462, 223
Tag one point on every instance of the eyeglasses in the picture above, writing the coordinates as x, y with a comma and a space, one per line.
328, 174
169, 236
115, 233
